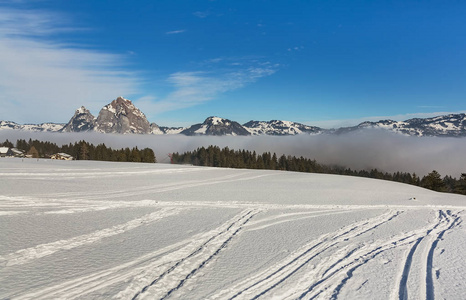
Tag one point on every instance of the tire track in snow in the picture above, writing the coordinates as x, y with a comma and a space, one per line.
260, 284
26, 255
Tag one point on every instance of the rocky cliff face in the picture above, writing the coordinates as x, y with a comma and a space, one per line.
82, 120
121, 116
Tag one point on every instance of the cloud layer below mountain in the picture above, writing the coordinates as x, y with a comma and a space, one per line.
363, 150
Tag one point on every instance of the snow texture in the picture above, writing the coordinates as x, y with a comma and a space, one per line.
100, 230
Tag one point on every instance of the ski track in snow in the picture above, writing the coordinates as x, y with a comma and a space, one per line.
161, 274
171, 280
319, 269
156, 275
334, 270
25, 255
96, 201
446, 220
277, 274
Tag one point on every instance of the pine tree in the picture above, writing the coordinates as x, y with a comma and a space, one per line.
433, 181
83, 151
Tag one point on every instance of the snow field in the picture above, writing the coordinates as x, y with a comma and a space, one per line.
93, 230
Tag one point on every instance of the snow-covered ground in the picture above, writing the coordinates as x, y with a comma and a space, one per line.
93, 230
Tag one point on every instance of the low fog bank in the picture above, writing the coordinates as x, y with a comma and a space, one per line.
362, 150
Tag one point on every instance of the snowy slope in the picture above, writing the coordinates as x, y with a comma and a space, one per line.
92, 230
277, 127
453, 125
49, 127
216, 126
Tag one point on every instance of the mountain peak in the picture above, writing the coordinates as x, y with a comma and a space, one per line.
278, 127
121, 99
216, 126
82, 120
121, 116
216, 121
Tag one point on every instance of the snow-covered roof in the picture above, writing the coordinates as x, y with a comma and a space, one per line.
16, 151
64, 154
4, 150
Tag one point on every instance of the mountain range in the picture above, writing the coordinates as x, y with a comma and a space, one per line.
122, 117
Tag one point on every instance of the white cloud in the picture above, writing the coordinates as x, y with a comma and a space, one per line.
42, 79
194, 88
175, 31
361, 150
201, 14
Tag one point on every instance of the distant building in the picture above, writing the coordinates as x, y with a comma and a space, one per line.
62, 156
10, 152
4, 151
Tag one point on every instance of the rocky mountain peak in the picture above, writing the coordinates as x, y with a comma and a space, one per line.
121, 116
82, 120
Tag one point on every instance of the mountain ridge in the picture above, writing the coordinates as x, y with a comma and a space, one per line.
121, 116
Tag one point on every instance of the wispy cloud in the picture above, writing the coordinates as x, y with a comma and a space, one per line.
201, 14
42, 78
194, 88
175, 31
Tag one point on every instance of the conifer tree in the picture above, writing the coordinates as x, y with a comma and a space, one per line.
433, 181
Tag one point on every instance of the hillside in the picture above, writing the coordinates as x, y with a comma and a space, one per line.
152, 231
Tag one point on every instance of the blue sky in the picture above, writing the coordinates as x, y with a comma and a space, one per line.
324, 63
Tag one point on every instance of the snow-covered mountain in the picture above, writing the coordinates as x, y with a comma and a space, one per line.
156, 129
172, 130
51, 127
9, 125
82, 120
216, 126
453, 125
277, 127
121, 116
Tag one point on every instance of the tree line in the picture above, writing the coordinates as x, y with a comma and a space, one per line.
213, 156
83, 151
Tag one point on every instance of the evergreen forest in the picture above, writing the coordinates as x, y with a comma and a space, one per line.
213, 156
83, 151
